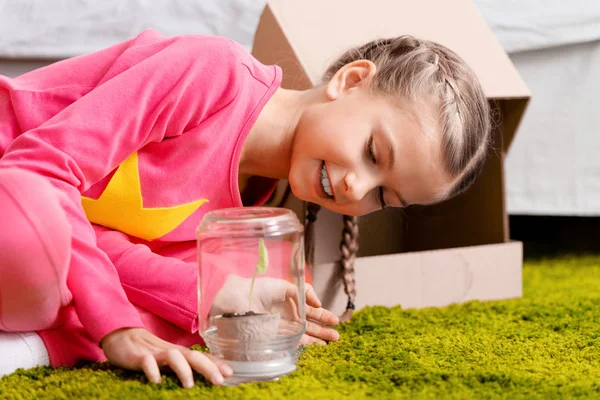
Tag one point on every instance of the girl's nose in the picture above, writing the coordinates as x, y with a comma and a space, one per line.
356, 188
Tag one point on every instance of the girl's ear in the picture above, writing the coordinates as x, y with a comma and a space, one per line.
351, 76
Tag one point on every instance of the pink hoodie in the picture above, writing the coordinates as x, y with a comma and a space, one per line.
145, 138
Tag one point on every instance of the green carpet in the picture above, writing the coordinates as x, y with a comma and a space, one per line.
545, 345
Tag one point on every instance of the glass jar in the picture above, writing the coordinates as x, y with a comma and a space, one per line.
251, 290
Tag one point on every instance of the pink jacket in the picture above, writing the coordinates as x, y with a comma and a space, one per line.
145, 138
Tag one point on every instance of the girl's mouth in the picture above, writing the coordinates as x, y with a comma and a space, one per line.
325, 183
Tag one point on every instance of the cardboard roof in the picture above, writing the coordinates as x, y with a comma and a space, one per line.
305, 36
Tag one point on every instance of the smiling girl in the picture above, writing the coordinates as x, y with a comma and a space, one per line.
110, 160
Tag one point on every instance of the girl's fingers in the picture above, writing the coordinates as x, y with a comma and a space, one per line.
205, 366
178, 363
291, 300
311, 296
321, 332
221, 364
306, 340
150, 368
322, 316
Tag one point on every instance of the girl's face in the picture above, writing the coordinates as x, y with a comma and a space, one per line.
356, 152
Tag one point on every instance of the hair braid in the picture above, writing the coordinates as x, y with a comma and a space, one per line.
309, 233
349, 249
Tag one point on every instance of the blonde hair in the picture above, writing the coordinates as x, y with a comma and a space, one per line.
420, 71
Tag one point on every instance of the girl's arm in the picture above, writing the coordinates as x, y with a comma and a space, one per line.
155, 88
165, 286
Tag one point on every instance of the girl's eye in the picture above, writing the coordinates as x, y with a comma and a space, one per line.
382, 202
370, 151
371, 155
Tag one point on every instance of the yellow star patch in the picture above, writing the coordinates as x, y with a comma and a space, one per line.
120, 206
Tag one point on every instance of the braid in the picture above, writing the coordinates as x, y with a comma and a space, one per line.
309, 230
349, 248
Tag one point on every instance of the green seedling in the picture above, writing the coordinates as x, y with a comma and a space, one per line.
261, 266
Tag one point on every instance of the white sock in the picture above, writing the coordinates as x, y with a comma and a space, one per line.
21, 350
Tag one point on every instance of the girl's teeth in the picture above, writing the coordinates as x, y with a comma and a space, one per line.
325, 181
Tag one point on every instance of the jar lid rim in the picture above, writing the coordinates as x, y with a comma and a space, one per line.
251, 220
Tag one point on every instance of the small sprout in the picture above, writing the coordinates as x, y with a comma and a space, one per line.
263, 258
261, 266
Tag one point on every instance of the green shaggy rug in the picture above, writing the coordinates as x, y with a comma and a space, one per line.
545, 345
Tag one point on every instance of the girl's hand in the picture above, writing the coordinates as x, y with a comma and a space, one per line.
318, 321
278, 295
138, 349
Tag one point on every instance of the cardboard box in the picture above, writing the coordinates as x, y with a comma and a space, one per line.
426, 256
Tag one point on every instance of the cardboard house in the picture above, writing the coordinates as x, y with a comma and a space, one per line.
424, 256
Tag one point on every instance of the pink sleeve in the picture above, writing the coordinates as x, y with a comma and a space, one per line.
165, 286
159, 87
168, 287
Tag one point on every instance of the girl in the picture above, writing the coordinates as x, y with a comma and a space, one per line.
110, 160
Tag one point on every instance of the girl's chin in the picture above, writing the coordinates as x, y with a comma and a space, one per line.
297, 194
301, 196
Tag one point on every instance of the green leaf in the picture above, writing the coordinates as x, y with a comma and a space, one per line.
263, 257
